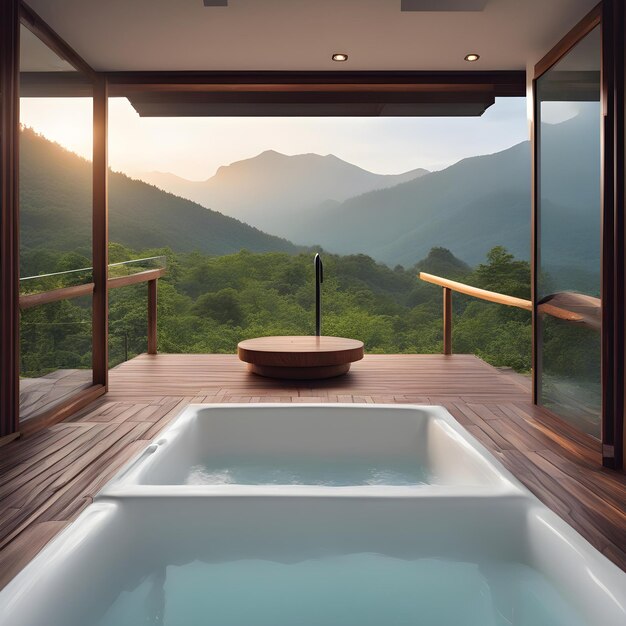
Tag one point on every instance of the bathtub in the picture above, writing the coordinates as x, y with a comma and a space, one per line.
465, 543
341, 449
285, 560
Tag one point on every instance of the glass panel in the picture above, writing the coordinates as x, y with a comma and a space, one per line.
56, 114
55, 280
135, 266
55, 359
569, 214
128, 323
128, 307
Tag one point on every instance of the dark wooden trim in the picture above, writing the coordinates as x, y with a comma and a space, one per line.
613, 50
9, 216
38, 27
300, 87
534, 246
134, 279
584, 27
619, 23
152, 316
607, 231
503, 83
28, 301
295, 94
447, 320
100, 228
61, 411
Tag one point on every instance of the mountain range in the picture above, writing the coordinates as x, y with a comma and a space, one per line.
467, 208
272, 190
481, 202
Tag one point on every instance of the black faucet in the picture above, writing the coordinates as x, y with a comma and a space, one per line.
319, 279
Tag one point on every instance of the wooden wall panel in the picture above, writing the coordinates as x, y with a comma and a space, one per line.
9, 215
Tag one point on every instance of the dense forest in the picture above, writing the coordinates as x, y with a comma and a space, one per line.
210, 303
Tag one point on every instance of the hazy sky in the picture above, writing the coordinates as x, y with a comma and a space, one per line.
195, 147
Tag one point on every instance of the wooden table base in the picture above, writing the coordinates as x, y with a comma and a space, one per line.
300, 357
299, 373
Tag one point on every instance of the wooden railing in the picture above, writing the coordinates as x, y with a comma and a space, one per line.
151, 276
568, 306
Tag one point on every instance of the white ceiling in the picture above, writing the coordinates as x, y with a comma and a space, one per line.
119, 35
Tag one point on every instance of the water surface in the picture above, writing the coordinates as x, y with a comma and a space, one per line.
343, 590
336, 473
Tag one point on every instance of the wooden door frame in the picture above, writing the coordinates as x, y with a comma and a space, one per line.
609, 16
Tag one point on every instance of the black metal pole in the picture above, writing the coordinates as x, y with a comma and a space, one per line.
319, 279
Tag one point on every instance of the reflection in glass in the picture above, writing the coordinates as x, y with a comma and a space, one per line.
55, 226
569, 236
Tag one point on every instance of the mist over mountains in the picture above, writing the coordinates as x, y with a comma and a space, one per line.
272, 190
468, 208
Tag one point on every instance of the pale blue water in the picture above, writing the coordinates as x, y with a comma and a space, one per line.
336, 473
345, 590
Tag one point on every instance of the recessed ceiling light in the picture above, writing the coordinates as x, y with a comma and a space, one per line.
340, 56
472, 57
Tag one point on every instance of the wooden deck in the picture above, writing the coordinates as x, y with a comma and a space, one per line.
48, 478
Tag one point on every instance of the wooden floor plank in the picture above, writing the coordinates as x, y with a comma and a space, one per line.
48, 478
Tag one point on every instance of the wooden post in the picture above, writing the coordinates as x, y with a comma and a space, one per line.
9, 216
447, 320
100, 234
152, 316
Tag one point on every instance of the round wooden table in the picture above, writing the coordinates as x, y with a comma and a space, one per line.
304, 358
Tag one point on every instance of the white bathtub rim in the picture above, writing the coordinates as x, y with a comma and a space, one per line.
603, 572
122, 484
308, 491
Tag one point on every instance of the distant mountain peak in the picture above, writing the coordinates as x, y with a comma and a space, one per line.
273, 191
266, 153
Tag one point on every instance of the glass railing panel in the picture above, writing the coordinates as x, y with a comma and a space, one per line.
127, 323
41, 283
55, 355
135, 266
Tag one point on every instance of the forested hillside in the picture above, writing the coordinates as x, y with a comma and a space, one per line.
55, 211
209, 304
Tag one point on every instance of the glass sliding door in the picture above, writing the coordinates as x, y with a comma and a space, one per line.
568, 236
56, 116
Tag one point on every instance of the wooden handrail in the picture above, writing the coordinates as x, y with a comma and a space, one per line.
30, 300
475, 292
574, 307
482, 294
